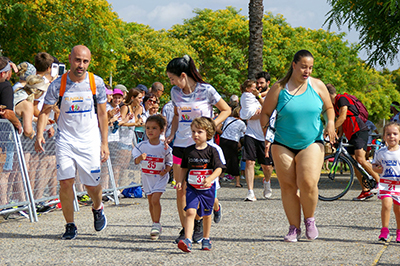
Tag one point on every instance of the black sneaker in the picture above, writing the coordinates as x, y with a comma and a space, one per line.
70, 231
100, 220
198, 231
181, 236
218, 214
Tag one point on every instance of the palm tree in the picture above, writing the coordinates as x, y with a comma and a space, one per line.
256, 12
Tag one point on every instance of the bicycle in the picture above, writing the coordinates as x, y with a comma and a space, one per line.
340, 176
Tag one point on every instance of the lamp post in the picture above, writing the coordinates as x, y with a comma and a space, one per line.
112, 50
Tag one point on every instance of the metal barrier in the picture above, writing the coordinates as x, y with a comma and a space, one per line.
28, 178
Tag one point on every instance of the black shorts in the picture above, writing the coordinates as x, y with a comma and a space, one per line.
178, 152
255, 150
231, 153
359, 141
295, 151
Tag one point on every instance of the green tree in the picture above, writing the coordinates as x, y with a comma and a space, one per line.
147, 54
377, 22
256, 11
54, 26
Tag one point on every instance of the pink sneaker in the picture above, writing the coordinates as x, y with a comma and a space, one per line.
398, 235
293, 235
311, 229
385, 234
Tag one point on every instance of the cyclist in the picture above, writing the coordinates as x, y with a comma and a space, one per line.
356, 132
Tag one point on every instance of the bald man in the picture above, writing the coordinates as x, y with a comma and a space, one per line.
81, 141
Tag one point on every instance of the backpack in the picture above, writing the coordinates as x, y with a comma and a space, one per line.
362, 110
64, 85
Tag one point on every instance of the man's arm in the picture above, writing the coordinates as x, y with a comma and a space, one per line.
10, 115
41, 125
342, 116
103, 121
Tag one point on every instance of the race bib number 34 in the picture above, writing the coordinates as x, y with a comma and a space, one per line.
196, 178
152, 165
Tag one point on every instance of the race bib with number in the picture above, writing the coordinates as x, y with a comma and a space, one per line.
152, 165
196, 177
390, 187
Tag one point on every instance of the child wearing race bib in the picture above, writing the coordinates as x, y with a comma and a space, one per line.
387, 165
156, 162
201, 165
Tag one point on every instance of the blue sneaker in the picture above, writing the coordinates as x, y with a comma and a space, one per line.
185, 245
206, 244
100, 220
70, 231
218, 214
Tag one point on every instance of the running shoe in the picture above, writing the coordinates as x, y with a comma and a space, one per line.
398, 235
100, 220
364, 195
198, 231
84, 200
70, 231
267, 193
206, 244
250, 197
375, 189
218, 214
242, 177
155, 231
293, 235
185, 245
311, 229
385, 234
181, 236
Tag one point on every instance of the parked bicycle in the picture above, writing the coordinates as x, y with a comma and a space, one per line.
336, 181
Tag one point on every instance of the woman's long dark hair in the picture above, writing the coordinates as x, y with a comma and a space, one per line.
297, 57
184, 64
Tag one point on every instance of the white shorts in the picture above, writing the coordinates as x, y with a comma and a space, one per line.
154, 183
86, 160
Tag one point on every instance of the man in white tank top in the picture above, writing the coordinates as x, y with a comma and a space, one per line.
78, 144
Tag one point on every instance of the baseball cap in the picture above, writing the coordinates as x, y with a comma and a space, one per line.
121, 88
118, 91
108, 92
142, 88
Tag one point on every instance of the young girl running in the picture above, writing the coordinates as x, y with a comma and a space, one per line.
201, 165
156, 162
387, 164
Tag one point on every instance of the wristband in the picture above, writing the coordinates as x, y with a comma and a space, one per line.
259, 96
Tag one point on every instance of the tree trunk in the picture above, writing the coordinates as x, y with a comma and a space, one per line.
256, 13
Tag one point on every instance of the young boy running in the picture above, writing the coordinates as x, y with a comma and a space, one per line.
201, 165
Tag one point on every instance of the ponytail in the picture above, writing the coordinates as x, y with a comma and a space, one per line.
186, 65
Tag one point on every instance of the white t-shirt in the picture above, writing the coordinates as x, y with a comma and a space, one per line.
168, 113
233, 130
250, 105
77, 122
196, 104
390, 161
156, 160
112, 136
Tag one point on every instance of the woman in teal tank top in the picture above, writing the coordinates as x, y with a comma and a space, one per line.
298, 151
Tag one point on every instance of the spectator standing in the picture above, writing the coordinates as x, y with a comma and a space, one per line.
157, 88
263, 80
78, 144
395, 110
254, 144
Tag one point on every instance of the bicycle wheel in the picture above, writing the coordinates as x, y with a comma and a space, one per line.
337, 179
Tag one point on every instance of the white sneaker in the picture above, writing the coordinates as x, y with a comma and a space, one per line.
155, 231
242, 177
267, 193
250, 197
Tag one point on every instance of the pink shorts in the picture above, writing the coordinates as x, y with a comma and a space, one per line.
396, 199
176, 160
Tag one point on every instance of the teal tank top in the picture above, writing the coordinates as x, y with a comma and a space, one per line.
298, 124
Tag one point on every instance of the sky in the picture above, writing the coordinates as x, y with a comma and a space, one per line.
162, 14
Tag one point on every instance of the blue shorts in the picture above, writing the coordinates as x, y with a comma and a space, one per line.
202, 200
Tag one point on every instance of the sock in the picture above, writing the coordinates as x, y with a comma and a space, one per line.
251, 191
190, 240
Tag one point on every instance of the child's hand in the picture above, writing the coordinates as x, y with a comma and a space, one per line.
206, 182
178, 185
142, 156
163, 172
377, 168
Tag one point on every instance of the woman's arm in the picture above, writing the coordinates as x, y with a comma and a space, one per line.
25, 110
322, 91
269, 105
225, 111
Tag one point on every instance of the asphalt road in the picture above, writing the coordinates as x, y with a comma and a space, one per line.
250, 233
